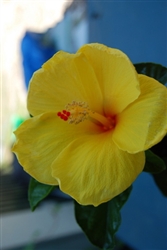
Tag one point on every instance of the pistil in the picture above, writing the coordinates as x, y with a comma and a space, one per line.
106, 122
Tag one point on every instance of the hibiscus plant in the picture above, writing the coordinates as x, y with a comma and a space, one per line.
97, 121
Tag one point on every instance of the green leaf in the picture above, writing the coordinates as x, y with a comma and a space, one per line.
37, 192
160, 149
161, 179
154, 164
156, 71
101, 223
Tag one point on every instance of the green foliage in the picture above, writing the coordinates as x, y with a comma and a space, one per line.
37, 192
154, 164
101, 223
153, 70
161, 180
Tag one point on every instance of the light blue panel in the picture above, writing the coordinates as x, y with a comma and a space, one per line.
139, 28
144, 216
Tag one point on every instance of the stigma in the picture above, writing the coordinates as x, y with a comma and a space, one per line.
77, 112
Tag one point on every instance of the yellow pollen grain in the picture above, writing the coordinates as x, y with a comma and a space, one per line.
80, 111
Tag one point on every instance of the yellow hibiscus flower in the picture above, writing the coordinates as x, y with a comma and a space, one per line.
93, 118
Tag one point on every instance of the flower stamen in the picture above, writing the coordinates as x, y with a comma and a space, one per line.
77, 112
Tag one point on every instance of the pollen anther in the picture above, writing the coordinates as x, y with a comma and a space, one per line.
77, 112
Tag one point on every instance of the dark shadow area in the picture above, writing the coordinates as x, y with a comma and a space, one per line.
74, 242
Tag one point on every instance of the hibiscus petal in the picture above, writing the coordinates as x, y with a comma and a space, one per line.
62, 79
93, 170
116, 75
144, 122
40, 140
